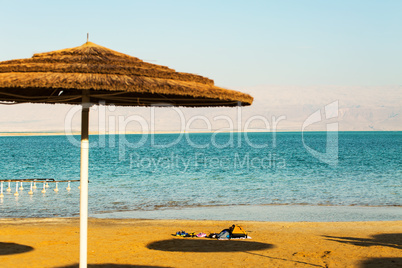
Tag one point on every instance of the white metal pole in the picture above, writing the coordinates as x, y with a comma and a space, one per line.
84, 180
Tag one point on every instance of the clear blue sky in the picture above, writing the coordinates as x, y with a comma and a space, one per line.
236, 43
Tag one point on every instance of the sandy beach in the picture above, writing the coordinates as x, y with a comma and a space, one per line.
149, 243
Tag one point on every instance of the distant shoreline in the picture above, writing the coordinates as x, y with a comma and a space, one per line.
12, 134
16, 134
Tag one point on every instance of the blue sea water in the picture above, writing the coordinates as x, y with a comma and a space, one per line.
232, 176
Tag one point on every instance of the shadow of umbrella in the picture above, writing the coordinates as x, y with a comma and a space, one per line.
198, 245
385, 240
13, 248
381, 262
111, 265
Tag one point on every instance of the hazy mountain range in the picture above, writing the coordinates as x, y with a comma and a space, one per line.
359, 109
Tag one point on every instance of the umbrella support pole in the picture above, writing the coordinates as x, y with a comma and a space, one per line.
84, 181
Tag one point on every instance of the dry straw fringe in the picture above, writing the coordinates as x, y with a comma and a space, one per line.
60, 76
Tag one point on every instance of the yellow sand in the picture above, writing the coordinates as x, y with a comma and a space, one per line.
149, 243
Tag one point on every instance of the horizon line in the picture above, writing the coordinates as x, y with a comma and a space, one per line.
96, 133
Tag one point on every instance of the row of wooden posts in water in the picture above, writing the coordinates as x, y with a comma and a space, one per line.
32, 186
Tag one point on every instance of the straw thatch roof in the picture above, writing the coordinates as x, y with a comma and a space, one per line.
109, 76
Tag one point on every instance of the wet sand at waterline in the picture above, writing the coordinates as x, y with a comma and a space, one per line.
149, 243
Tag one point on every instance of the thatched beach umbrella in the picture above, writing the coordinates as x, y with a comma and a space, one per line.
92, 73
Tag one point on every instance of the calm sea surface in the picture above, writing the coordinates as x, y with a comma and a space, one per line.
231, 176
